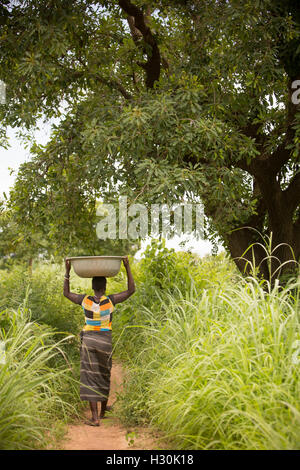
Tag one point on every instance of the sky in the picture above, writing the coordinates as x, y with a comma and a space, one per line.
11, 158
16, 154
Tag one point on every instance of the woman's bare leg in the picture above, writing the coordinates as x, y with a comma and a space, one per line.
103, 408
94, 410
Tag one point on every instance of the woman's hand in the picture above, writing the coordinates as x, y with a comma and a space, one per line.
121, 296
68, 266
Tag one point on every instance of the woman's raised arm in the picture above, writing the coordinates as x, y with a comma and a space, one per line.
76, 298
121, 296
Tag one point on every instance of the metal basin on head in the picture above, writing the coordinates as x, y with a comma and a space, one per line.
91, 266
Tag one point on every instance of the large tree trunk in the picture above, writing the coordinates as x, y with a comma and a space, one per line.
277, 259
274, 220
247, 259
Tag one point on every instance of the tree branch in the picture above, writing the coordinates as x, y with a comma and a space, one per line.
282, 155
292, 193
110, 82
137, 21
113, 83
135, 33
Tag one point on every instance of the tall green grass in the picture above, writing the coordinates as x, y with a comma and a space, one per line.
211, 357
34, 396
219, 369
44, 292
39, 382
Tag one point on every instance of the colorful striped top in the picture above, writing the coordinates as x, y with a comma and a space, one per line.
98, 316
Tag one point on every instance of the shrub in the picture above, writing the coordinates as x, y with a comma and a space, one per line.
33, 394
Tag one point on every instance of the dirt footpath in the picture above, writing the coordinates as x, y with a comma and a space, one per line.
111, 434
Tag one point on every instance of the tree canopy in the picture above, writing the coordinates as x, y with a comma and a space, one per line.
159, 101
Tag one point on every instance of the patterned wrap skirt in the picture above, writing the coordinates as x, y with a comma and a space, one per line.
95, 365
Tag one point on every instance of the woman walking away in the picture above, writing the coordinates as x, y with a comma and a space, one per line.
96, 341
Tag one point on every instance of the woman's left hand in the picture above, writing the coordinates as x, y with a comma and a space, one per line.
68, 265
126, 261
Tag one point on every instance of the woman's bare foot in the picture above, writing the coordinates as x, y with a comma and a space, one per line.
104, 409
92, 422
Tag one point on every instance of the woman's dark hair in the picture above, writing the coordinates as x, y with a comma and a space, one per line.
99, 283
